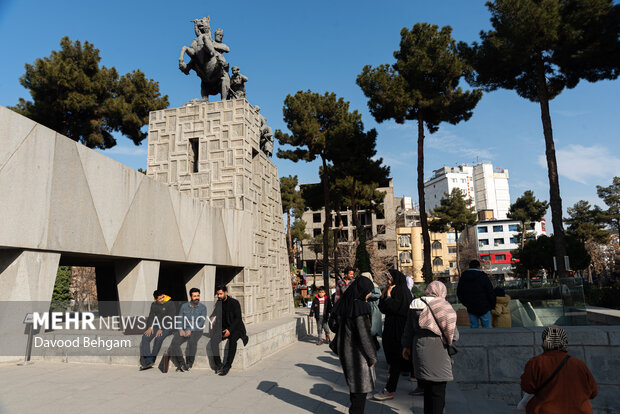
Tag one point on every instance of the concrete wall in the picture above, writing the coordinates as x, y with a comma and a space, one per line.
211, 152
493, 360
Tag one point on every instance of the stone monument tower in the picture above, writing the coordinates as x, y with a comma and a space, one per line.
218, 153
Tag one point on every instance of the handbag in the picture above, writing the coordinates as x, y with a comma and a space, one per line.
452, 350
527, 397
164, 364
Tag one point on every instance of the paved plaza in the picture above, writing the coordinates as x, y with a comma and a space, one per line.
302, 378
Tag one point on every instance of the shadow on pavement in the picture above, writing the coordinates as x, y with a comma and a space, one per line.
294, 398
329, 360
329, 393
322, 372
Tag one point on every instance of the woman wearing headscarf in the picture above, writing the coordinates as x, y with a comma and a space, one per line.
373, 301
573, 385
353, 342
424, 341
394, 304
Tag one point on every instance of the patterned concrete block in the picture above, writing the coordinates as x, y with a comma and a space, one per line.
506, 363
604, 363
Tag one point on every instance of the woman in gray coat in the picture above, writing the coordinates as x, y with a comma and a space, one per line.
423, 340
353, 342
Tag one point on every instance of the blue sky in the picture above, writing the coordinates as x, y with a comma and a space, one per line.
286, 46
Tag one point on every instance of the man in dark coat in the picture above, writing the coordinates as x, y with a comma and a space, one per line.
159, 322
475, 291
232, 328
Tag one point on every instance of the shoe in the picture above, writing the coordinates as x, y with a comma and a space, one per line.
328, 340
188, 367
218, 367
180, 369
417, 391
383, 395
223, 371
319, 341
147, 366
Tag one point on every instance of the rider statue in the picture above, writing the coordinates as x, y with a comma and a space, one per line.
207, 61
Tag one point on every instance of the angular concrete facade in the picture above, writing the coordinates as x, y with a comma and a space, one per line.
60, 199
211, 152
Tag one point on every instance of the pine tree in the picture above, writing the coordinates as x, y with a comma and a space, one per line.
611, 197
74, 96
539, 48
453, 213
292, 204
422, 85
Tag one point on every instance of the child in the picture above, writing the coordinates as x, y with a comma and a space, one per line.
320, 309
501, 314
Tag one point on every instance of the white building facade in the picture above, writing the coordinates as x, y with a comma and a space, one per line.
485, 186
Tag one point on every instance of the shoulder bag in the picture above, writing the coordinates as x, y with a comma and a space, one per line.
452, 350
527, 397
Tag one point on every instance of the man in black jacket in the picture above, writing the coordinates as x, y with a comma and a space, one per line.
232, 327
159, 322
475, 291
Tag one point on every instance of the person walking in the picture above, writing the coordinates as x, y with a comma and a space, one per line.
475, 291
320, 309
430, 329
394, 303
558, 383
353, 342
343, 284
232, 328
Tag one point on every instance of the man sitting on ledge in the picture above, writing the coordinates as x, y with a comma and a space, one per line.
159, 324
192, 316
233, 329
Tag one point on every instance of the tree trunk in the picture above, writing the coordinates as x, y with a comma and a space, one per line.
427, 271
291, 257
458, 254
326, 225
552, 169
523, 233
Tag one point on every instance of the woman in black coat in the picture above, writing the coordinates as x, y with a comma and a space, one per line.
353, 343
394, 303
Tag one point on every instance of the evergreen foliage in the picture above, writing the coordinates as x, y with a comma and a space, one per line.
611, 197
540, 47
422, 85
76, 97
61, 296
453, 213
586, 223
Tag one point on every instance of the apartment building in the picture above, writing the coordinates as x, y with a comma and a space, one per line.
379, 228
487, 187
410, 246
496, 241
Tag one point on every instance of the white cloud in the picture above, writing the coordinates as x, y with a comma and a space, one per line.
451, 143
585, 165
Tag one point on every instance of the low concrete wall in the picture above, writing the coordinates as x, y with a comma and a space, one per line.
492, 360
265, 339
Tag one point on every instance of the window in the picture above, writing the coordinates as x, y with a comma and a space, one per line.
381, 229
380, 215
452, 265
454, 180
498, 229
498, 242
193, 154
436, 244
483, 242
451, 238
463, 180
345, 220
485, 257
532, 226
513, 227
483, 229
514, 240
404, 241
437, 261
316, 232
405, 257
500, 257
381, 245
452, 250
316, 217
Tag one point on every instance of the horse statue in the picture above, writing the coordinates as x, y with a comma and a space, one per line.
206, 60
